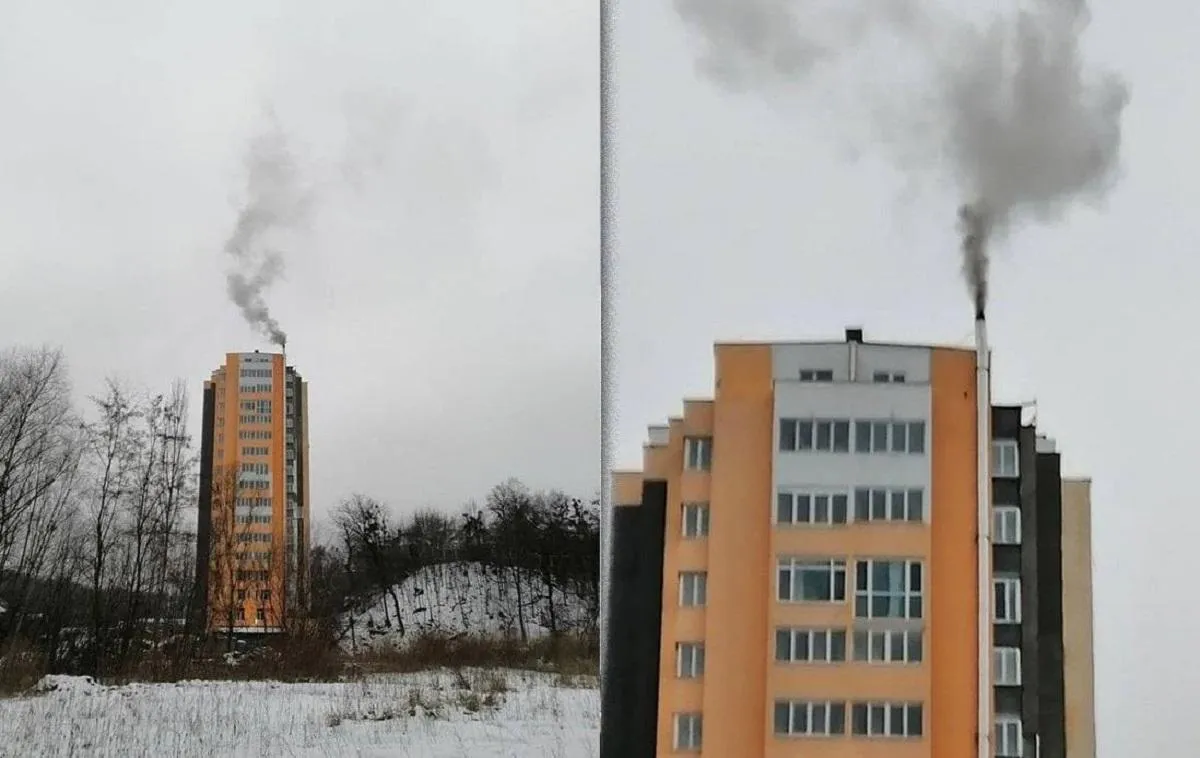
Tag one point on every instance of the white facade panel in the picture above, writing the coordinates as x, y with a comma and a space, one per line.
856, 401
913, 362
789, 360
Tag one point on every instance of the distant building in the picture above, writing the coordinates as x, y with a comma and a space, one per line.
253, 527
795, 569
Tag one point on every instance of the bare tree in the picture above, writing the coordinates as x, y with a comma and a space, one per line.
368, 539
111, 455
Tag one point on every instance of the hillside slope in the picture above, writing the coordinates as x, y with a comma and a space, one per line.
465, 599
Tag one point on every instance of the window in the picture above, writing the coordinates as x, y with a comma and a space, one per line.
887, 719
879, 504
810, 645
689, 731
821, 435
816, 375
888, 645
1005, 459
794, 718
695, 520
1008, 737
811, 507
888, 377
889, 437
264, 596
1007, 602
241, 614
697, 453
1006, 661
241, 594
261, 615
693, 588
689, 660
888, 589
1006, 525
803, 581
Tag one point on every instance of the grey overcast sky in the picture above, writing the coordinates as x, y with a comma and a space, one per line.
740, 219
443, 304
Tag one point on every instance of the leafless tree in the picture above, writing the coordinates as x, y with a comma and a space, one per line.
111, 456
368, 540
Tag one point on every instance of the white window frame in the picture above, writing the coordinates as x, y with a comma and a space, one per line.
810, 708
817, 640
1012, 600
816, 375
1006, 663
1006, 452
882, 437
890, 500
888, 377
697, 453
810, 442
908, 593
695, 520
689, 660
891, 713
697, 591
815, 498
798, 566
1009, 739
1006, 525
896, 645
689, 731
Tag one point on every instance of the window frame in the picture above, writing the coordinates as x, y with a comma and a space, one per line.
908, 594
1002, 725
1012, 598
810, 635
999, 451
701, 582
794, 495
906, 635
889, 708
693, 654
839, 432
1006, 659
698, 453
889, 504
795, 566
828, 708
1000, 535
822, 375
695, 731
702, 522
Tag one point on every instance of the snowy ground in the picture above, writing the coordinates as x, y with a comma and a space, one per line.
476, 714
463, 598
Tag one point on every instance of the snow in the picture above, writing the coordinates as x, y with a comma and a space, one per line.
83, 685
472, 714
464, 598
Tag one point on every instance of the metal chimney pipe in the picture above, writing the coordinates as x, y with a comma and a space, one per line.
984, 541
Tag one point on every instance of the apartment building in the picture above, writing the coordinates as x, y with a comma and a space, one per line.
795, 568
253, 526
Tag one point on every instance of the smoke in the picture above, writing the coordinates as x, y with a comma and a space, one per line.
1021, 125
274, 203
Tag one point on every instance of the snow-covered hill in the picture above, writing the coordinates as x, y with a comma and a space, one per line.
465, 599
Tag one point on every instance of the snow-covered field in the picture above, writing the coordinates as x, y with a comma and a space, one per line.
473, 714
464, 598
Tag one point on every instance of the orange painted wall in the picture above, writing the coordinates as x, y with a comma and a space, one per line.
627, 488
953, 589
739, 547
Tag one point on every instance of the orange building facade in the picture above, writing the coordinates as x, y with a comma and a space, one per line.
794, 570
253, 530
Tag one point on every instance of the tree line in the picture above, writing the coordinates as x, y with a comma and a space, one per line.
98, 532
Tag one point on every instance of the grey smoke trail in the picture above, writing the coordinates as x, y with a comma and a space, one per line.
1023, 128
274, 203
